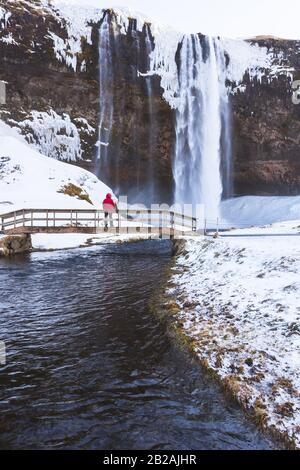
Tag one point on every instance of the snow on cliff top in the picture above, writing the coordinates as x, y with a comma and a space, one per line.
78, 19
244, 56
29, 179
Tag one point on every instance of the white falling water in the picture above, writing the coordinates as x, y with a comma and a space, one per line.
152, 127
106, 76
202, 96
225, 109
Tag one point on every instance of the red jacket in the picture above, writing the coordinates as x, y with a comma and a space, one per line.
108, 204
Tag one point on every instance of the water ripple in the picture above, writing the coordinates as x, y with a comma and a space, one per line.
89, 367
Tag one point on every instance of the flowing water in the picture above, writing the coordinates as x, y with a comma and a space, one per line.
89, 366
106, 77
201, 117
115, 73
152, 132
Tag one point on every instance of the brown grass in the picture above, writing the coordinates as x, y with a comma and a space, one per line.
75, 191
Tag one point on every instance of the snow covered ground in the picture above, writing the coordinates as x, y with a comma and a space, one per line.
259, 210
31, 180
239, 300
66, 241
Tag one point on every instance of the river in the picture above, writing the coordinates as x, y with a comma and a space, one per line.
89, 366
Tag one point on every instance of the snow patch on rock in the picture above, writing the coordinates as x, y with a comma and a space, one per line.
77, 21
4, 18
31, 180
9, 40
53, 135
257, 61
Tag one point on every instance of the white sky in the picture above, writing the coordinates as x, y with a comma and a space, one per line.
232, 18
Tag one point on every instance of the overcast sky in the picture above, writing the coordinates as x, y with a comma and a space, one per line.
233, 18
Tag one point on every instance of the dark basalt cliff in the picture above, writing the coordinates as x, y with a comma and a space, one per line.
266, 130
36, 80
266, 124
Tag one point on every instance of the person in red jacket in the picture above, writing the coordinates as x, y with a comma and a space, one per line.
109, 207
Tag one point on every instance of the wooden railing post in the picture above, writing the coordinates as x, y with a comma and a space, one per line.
149, 222
118, 222
160, 224
172, 224
138, 214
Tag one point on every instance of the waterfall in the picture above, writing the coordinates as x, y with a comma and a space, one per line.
152, 124
203, 105
226, 121
202, 166
106, 77
227, 165
133, 34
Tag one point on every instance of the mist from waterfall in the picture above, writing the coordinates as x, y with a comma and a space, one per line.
203, 108
106, 95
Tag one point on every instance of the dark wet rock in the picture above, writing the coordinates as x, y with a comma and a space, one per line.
14, 244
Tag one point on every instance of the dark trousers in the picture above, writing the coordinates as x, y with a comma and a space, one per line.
108, 216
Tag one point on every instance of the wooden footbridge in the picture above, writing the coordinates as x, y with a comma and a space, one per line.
162, 223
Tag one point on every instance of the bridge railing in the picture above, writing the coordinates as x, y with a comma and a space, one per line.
93, 221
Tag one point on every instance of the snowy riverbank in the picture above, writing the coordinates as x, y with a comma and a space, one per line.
239, 303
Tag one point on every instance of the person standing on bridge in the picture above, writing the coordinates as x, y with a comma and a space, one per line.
110, 208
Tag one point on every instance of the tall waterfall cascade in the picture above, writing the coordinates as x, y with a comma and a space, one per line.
152, 123
106, 75
113, 98
202, 125
197, 75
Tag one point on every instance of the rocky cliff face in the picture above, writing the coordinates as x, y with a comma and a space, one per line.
50, 62
53, 95
267, 129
